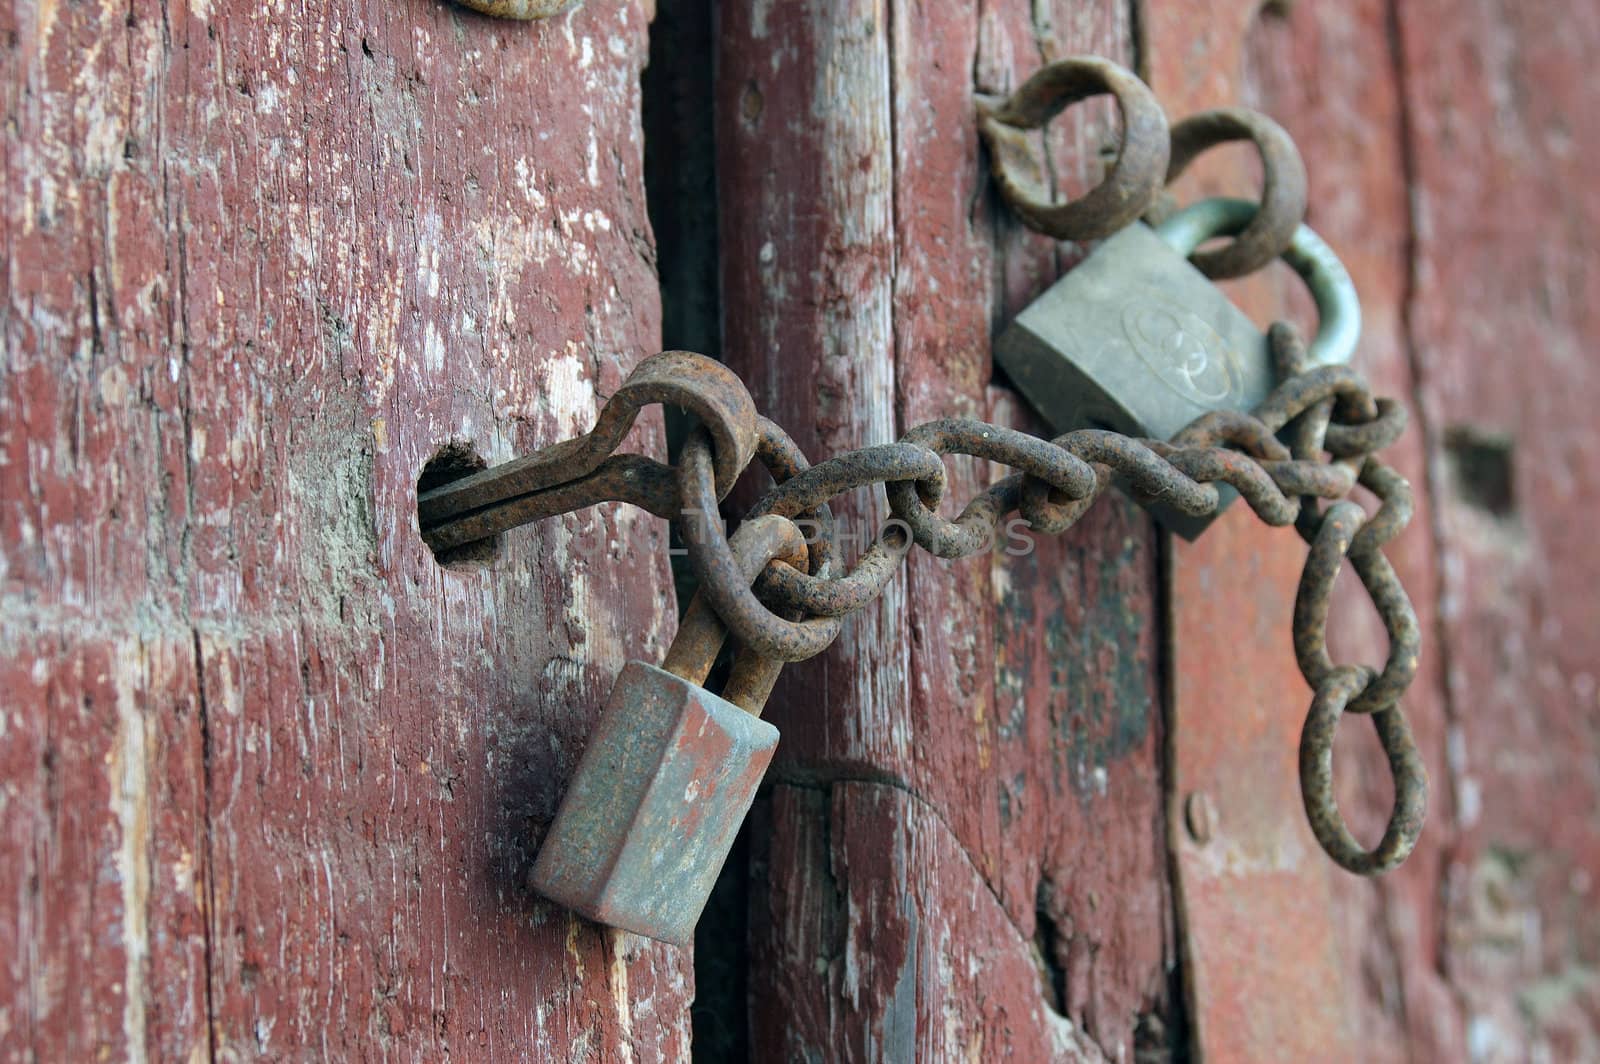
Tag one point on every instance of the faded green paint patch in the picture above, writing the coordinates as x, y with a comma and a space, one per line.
1087, 660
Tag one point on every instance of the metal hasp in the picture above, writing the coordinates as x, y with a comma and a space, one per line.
1135, 339
667, 778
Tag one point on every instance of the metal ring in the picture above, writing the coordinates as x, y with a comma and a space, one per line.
1235, 429
701, 633
815, 595
1338, 306
702, 386
784, 460
1136, 177
1339, 527
1283, 186
721, 581
1354, 439
1303, 392
1060, 469
1051, 517
1247, 476
1316, 778
1396, 506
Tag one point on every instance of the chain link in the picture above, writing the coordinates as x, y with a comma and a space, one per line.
795, 613
1294, 460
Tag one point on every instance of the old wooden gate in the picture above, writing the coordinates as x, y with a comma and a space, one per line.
273, 773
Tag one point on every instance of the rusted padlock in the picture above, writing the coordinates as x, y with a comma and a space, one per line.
669, 773
1136, 340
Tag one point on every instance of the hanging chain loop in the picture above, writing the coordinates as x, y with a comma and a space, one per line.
794, 613
1294, 459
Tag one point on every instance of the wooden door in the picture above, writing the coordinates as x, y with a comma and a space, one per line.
274, 774
977, 846
270, 768
963, 850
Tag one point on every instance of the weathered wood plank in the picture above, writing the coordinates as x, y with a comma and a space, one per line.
1361, 959
864, 267
924, 963
1501, 101
263, 263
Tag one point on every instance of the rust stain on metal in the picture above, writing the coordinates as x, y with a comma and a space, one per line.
1055, 483
668, 773
1135, 177
1283, 186
648, 819
584, 470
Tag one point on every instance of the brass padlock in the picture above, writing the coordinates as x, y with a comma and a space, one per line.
1136, 340
669, 773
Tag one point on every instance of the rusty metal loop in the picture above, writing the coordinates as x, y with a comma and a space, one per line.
1395, 509
1210, 465
1127, 190
797, 603
784, 460
783, 585
1311, 479
1235, 429
1332, 544
1147, 477
701, 633
700, 525
1389, 598
703, 387
1373, 434
885, 463
789, 588
973, 529
1338, 304
521, 10
1283, 186
1305, 390
1333, 695
1051, 516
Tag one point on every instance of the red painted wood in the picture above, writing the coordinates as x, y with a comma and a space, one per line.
1285, 949
271, 775
1503, 324
1422, 127
1006, 705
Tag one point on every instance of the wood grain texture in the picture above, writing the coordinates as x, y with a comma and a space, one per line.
1504, 318
1447, 149
1006, 704
1344, 965
272, 776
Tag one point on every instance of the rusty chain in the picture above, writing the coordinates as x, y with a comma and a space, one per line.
1294, 459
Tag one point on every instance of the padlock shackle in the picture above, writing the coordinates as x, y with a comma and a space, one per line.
702, 633
1338, 306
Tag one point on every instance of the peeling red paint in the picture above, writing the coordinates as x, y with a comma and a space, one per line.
270, 773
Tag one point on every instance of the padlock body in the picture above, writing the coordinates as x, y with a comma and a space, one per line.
1136, 340
653, 808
